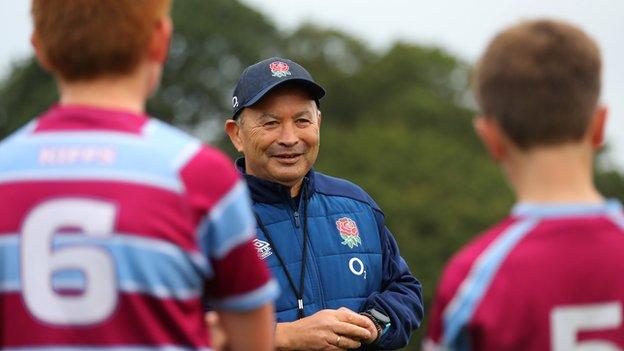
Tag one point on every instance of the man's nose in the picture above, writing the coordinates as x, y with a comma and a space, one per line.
288, 135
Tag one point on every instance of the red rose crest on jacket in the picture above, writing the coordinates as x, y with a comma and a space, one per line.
349, 232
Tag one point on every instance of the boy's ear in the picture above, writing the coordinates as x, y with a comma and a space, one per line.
596, 128
41, 57
232, 129
491, 134
159, 45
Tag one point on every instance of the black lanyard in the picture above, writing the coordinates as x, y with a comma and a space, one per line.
304, 251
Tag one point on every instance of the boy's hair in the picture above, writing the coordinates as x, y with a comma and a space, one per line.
86, 39
541, 81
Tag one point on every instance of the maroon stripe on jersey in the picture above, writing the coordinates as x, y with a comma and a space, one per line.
137, 320
208, 176
82, 119
239, 272
142, 210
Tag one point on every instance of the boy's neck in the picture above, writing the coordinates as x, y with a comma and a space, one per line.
560, 174
127, 93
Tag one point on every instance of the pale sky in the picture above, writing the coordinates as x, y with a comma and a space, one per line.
461, 27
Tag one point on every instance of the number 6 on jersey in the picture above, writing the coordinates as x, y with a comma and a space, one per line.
40, 261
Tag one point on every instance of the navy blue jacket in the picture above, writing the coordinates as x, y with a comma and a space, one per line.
352, 259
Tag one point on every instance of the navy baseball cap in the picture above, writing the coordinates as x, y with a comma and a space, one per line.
259, 79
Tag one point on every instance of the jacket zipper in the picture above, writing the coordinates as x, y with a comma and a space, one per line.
317, 281
297, 219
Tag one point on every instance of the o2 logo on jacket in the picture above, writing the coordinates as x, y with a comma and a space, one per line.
356, 266
348, 232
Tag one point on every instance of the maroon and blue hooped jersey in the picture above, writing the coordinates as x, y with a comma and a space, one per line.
549, 277
114, 229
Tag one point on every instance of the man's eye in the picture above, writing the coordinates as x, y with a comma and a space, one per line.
270, 124
303, 121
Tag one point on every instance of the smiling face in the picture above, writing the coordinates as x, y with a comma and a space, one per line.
279, 136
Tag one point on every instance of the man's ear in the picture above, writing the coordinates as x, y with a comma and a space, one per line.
161, 37
232, 129
596, 127
41, 57
490, 133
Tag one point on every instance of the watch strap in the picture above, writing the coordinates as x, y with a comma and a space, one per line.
381, 326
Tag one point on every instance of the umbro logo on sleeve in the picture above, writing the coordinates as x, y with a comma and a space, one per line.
262, 248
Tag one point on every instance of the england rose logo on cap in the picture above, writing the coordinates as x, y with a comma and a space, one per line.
279, 69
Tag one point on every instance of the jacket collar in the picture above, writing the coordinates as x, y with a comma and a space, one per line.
266, 191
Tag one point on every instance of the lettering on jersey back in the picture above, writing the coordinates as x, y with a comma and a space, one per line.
71, 155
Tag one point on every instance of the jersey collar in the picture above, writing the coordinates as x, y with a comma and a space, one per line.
528, 209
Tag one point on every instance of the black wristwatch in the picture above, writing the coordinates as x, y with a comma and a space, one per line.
380, 320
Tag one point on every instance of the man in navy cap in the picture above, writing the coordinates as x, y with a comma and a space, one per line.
344, 283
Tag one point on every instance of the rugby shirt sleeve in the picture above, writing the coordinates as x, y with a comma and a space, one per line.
237, 278
454, 273
433, 340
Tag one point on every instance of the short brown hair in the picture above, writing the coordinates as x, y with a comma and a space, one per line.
86, 39
541, 81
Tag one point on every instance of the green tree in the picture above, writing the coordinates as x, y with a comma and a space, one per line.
25, 93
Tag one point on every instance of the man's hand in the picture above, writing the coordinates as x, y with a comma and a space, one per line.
373, 330
339, 329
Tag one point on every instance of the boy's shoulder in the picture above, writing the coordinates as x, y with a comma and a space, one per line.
458, 267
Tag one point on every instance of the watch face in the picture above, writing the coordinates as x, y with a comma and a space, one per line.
380, 316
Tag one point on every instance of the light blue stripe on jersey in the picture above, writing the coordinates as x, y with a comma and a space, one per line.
248, 301
228, 224
173, 144
617, 218
19, 134
153, 158
463, 305
526, 209
9, 263
105, 348
92, 174
142, 265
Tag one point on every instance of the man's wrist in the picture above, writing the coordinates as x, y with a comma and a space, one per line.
282, 337
375, 323
380, 320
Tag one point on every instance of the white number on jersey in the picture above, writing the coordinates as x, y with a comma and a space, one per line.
40, 261
566, 322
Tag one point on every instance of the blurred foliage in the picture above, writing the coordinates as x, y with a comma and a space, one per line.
24, 94
395, 121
